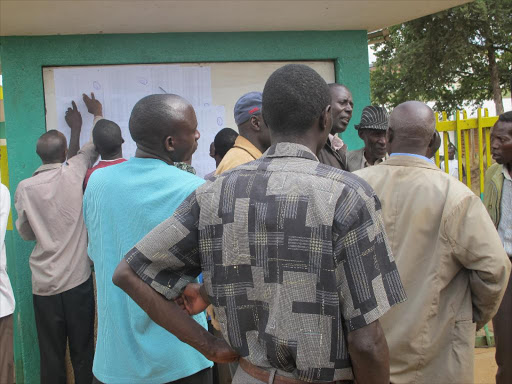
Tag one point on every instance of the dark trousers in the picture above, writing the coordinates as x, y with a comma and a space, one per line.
61, 318
6, 350
201, 377
503, 337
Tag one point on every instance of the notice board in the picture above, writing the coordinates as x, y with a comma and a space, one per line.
212, 88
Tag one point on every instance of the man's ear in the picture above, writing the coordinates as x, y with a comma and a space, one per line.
390, 135
169, 144
432, 141
255, 123
325, 120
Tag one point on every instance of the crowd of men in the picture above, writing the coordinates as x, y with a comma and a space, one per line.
317, 264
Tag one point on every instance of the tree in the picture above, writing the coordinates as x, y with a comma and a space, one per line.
457, 58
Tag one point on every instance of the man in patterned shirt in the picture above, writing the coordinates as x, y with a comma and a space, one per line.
293, 253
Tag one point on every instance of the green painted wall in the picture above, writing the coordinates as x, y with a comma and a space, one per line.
22, 62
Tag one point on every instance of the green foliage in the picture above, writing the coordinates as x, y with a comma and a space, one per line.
445, 57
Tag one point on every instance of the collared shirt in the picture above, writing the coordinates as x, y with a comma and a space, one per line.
334, 153
505, 225
121, 205
293, 255
452, 264
356, 160
243, 151
6, 294
453, 167
185, 167
336, 142
413, 155
49, 206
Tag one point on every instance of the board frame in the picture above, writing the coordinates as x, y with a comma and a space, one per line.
23, 57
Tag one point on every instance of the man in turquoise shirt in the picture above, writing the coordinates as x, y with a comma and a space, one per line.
121, 205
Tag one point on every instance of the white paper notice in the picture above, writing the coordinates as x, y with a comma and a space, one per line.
119, 88
210, 121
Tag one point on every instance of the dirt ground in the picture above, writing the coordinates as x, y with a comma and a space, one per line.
485, 366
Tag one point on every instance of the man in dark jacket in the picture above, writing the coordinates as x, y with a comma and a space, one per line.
334, 152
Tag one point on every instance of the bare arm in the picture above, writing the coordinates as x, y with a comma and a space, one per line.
74, 121
170, 316
369, 354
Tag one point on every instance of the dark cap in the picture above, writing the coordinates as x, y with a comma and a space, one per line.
373, 117
246, 106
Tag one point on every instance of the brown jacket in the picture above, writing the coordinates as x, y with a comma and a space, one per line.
336, 159
452, 264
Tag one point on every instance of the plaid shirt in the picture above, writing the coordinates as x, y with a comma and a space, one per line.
294, 256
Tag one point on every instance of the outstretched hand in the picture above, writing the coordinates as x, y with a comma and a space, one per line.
93, 106
73, 117
191, 299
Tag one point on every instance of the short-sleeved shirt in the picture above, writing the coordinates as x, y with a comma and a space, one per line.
121, 205
101, 164
49, 206
293, 255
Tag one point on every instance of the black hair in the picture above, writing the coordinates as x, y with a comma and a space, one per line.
224, 141
107, 137
506, 117
293, 97
51, 146
336, 85
151, 118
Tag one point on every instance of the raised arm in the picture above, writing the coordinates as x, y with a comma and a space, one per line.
74, 121
94, 106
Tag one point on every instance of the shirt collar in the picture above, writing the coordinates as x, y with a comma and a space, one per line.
290, 150
242, 143
111, 161
413, 155
506, 174
336, 142
47, 167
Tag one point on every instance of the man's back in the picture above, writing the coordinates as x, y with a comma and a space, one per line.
294, 257
451, 263
121, 205
49, 206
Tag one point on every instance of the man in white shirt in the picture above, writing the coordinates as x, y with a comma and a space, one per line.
453, 164
6, 296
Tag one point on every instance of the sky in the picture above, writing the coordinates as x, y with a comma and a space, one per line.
371, 55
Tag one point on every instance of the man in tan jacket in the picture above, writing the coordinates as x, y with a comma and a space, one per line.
449, 255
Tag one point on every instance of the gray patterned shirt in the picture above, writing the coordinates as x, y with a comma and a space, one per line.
294, 256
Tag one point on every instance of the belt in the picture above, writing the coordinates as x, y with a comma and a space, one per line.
263, 375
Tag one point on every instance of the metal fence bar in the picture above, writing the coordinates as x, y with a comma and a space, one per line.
459, 142
481, 152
